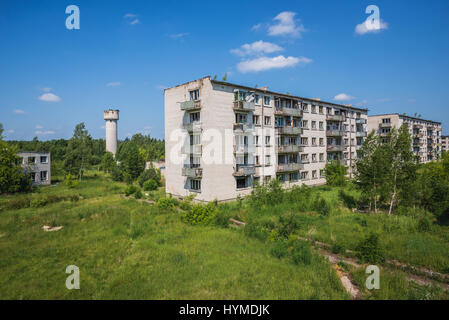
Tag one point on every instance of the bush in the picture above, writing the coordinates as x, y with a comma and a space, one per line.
338, 248
348, 200
138, 194
150, 174
201, 214
221, 219
70, 181
287, 225
150, 185
117, 174
424, 224
301, 252
369, 250
321, 206
279, 249
131, 189
335, 174
38, 202
16, 204
167, 203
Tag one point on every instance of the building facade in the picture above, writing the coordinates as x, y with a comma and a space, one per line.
445, 143
37, 164
426, 134
222, 138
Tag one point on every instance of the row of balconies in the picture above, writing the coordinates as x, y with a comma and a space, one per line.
288, 112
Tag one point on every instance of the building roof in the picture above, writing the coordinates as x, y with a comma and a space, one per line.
273, 93
404, 116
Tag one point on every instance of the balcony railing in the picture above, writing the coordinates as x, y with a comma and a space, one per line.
419, 126
289, 130
290, 148
333, 133
242, 148
192, 126
243, 126
191, 105
192, 172
244, 170
242, 105
360, 134
335, 148
360, 121
288, 112
193, 149
289, 167
335, 117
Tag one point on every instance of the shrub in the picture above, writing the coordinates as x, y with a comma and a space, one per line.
131, 189
221, 218
150, 174
369, 250
167, 203
138, 194
38, 202
150, 185
301, 252
335, 174
321, 206
279, 249
338, 248
348, 199
287, 225
201, 214
16, 204
70, 181
424, 224
117, 174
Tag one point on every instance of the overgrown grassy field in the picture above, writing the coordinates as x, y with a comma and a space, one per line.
129, 249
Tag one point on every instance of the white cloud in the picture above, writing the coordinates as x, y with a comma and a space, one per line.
364, 27
113, 84
131, 18
43, 133
256, 27
179, 35
18, 111
267, 63
39, 127
129, 15
257, 47
49, 97
286, 26
135, 21
343, 97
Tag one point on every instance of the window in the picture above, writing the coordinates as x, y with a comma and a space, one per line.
267, 140
267, 179
314, 174
305, 124
241, 118
195, 94
43, 175
313, 157
31, 160
321, 173
33, 176
320, 109
256, 119
195, 117
314, 142
313, 109
304, 175
305, 141
321, 157
305, 107
266, 100
267, 160
44, 159
304, 158
257, 161
241, 183
321, 125
267, 120
386, 120
313, 124
321, 141
256, 181
256, 140
257, 99
328, 110
195, 185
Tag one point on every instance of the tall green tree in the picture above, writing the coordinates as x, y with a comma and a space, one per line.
108, 162
79, 151
335, 174
12, 176
131, 161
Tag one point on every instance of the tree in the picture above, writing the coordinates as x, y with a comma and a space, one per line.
1, 131
335, 174
108, 162
13, 178
79, 151
131, 161
225, 77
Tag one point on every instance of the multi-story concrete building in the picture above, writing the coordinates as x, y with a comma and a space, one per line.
445, 143
426, 134
222, 138
37, 164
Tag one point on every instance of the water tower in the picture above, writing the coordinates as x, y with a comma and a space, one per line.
111, 118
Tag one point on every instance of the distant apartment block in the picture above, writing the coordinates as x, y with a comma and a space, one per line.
37, 165
445, 143
222, 138
426, 134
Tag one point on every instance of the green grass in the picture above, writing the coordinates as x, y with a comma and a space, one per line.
127, 249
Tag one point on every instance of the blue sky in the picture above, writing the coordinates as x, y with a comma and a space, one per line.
126, 52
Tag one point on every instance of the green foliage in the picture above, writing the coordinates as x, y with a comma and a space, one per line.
38, 202
12, 177
117, 174
301, 252
321, 206
338, 248
424, 224
150, 174
150, 185
79, 151
138, 194
131, 189
108, 162
369, 250
201, 214
287, 225
267, 195
335, 173
131, 161
348, 199
279, 249
167, 203
70, 181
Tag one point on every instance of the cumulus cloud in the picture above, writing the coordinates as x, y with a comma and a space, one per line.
43, 133
113, 84
286, 25
343, 97
367, 27
267, 63
18, 111
257, 47
49, 97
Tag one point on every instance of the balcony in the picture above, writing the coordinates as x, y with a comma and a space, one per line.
335, 133
335, 148
289, 130
285, 167
305, 161
192, 172
288, 112
335, 117
292, 148
193, 149
242, 105
243, 127
192, 126
191, 105
241, 148
385, 125
418, 126
360, 134
244, 170
360, 121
